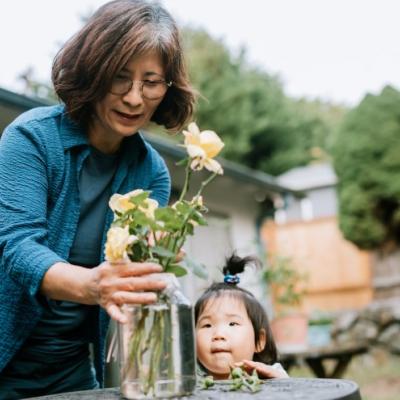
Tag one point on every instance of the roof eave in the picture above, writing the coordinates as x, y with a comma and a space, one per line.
234, 170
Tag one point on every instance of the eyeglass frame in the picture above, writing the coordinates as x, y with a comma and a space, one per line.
142, 83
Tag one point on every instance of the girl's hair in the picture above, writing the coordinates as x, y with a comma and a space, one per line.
84, 68
257, 315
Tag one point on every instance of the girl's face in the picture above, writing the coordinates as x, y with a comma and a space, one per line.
119, 116
224, 336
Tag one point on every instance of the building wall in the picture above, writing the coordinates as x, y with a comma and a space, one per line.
324, 202
232, 216
317, 203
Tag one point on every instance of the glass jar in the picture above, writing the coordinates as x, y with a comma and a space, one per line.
157, 346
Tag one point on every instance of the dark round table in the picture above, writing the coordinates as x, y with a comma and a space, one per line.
276, 389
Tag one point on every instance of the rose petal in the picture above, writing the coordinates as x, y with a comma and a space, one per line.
193, 128
213, 165
195, 151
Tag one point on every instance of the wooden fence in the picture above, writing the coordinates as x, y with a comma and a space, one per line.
339, 274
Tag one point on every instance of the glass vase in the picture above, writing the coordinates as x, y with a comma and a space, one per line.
157, 347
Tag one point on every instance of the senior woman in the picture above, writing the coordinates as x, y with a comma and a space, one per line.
58, 167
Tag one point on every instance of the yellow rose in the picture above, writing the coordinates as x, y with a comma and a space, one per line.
202, 147
121, 203
118, 240
197, 201
151, 206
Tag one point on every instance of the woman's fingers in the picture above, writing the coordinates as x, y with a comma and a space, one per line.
115, 313
126, 283
135, 284
135, 269
133, 298
120, 297
108, 287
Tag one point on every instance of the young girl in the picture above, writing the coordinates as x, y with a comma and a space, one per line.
232, 328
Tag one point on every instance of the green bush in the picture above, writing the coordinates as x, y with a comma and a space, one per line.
367, 162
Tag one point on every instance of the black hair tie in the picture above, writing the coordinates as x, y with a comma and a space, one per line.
231, 279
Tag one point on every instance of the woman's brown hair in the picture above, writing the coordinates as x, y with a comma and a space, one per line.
119, 30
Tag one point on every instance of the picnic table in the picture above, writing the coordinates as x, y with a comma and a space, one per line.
317, 358
276, 389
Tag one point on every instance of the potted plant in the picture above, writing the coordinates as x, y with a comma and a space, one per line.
319, 329
289, 325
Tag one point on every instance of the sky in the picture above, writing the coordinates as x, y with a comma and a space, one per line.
334, 50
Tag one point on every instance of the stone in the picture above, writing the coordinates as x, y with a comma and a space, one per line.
344, 321
364, 330
390, 338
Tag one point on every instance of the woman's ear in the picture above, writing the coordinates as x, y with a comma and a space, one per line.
262, 340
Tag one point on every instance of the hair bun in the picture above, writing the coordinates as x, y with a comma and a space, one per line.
236, 265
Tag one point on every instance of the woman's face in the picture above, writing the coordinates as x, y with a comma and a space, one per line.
120, 115
224, 336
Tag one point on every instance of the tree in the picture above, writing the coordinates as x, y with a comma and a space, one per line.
367, 162
261, 127
236, 100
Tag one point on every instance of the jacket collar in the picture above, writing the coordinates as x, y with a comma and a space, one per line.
72, 135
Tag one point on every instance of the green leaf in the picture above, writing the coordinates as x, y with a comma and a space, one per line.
184, 207
199, 218
176, 269
140, 219
189, 229
138, 199
172, 221
198, 269
162, 251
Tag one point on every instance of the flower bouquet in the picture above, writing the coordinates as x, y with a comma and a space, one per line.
156, 345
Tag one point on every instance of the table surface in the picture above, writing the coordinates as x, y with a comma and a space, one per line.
277, 389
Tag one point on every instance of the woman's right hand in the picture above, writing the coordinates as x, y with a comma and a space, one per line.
124, 283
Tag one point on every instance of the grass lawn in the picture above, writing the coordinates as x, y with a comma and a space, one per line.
377, 374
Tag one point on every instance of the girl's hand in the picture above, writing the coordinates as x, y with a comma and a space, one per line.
263, 370
125, 283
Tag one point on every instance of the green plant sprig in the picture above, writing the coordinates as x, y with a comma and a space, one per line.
239, 379
242, 380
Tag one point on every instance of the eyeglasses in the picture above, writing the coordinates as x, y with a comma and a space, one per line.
151, 89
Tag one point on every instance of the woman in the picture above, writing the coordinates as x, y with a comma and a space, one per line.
58, 167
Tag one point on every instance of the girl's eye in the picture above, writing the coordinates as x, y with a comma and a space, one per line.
233, 324
206, 326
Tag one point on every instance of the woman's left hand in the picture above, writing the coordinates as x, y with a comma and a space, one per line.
263, 370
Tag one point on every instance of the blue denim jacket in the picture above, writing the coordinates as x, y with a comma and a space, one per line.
41, 155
